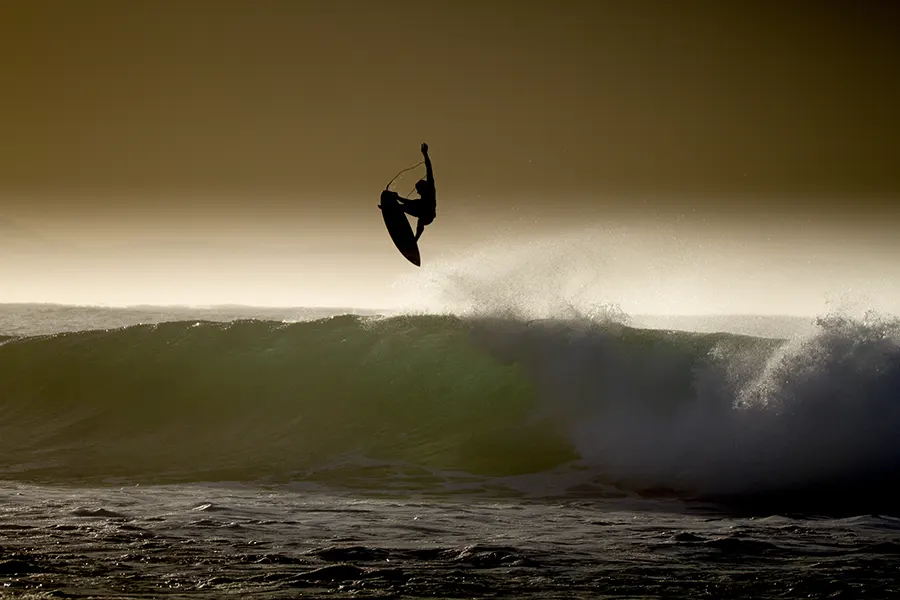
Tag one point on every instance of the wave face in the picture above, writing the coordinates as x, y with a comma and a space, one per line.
442, 404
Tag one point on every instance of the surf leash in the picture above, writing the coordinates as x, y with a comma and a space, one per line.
421, 162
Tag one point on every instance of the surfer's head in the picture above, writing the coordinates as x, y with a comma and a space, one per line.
422, 186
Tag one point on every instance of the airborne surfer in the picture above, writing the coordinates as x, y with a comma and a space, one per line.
423, 208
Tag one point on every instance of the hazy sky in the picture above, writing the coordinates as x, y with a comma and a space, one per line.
233, 151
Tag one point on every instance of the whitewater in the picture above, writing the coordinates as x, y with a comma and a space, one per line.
570, 451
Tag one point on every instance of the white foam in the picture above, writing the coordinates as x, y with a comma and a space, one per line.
821, 408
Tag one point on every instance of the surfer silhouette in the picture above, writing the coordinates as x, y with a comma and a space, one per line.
423, 208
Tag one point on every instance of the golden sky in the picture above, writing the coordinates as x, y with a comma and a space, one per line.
222, 131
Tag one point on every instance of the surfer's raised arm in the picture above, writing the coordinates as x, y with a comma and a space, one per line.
429, 174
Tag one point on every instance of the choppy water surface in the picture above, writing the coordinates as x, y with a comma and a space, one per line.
222, 541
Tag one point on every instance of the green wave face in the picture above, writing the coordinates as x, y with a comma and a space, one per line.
258, 400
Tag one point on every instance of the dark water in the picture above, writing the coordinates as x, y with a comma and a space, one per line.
444, 457
205, 541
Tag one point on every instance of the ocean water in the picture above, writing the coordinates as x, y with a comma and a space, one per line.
240, 452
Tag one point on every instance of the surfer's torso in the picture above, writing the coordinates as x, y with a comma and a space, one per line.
429, 204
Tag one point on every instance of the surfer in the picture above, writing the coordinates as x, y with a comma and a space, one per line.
423, 208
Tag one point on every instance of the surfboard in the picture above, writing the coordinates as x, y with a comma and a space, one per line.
399, 228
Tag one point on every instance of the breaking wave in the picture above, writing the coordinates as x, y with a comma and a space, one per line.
446, 404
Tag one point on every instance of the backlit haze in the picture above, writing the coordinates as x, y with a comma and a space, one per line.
671, 157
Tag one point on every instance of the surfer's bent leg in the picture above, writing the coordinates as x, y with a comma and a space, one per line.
423, 221
420, 227
412, 207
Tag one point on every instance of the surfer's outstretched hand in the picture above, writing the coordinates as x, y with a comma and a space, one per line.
424, 148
